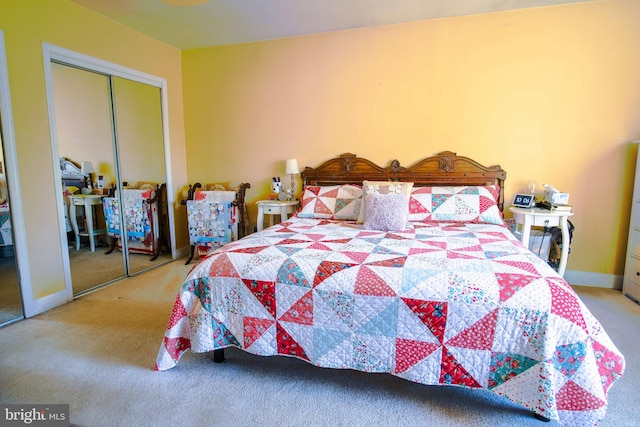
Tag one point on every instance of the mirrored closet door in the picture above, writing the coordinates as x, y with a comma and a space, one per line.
138, 118
10, 299
11, 305
82, 102
109, 133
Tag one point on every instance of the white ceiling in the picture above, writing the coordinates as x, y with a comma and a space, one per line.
223, 22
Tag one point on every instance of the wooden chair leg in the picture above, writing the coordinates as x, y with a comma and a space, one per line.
156, 250
113, 245
190, 255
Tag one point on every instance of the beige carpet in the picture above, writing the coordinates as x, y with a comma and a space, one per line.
97, 353
92, 269
89, 271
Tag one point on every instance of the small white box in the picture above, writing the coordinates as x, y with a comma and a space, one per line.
556, 198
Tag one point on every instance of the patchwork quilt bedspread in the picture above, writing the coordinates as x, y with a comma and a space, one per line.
457, 304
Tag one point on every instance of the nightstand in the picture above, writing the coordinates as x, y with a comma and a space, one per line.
528, 218
275, 207
88, 201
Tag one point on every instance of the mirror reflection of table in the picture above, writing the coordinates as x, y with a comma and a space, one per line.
88, 201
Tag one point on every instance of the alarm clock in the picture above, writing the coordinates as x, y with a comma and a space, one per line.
524, 201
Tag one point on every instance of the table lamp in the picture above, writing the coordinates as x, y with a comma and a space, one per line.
291, 169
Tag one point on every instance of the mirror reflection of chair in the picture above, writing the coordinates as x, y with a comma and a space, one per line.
142, 220
216, 214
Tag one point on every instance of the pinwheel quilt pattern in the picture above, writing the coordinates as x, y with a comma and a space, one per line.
456, 304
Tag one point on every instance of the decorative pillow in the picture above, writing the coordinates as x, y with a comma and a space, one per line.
386, 212
331, 202
477, 204
381, 187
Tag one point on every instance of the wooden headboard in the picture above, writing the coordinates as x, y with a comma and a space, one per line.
72, 174
443, 169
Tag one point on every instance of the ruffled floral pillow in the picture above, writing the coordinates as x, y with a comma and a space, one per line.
477, 204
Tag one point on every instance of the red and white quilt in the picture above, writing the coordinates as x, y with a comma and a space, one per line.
438, 303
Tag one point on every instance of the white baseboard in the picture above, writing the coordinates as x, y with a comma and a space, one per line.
183, 252
597, 280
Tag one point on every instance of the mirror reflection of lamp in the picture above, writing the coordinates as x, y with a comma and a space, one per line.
87, 170
291, 169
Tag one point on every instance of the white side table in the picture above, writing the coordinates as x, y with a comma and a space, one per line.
275, 207
87, 201
544, 218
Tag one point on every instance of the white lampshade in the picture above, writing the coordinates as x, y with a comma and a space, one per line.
87, 167
292, 166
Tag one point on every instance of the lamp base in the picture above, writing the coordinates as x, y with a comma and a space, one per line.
290, 191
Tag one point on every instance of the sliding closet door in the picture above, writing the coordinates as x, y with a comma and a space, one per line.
140, 142
10, 298
111, 119
82, 102
14, 272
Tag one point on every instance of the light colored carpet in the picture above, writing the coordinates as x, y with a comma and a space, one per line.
97, 353
89, 270
92, 269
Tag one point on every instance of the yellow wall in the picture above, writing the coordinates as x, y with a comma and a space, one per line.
84, 127
84, 134
551, 94
26, 25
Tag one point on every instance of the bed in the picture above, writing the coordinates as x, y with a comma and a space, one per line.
449, 297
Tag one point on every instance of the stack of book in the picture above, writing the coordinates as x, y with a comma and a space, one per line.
553, 207
561, 208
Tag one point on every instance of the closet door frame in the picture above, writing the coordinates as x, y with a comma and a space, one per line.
59, 54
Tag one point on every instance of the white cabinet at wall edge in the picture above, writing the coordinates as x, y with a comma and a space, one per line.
631, 284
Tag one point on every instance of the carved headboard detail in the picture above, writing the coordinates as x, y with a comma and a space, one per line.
71, 173
443, 169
